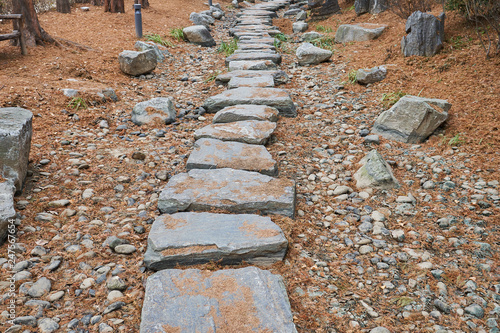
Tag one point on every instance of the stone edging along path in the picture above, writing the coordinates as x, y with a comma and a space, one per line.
229, 169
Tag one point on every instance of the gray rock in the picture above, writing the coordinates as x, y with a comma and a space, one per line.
201, 19
199, 35
113, 307
116, 283
26, 320
249, 131
145, 46
234, 190
369, 6
412, 119
160, 107
442, 306
375, 74
301, 16
475, 310
40, 288
216, 154
379, 329
308, 54
358, 32
70, 92
125, 249
47, 325
137, 63
7, 212
250, 56
15, 143
372, 139
246, 112
309, 36
251, 65
255, 297
425, 35
298, 27
197, 238
264, 81
256, 47
280, 77
375, 172
277, 98
258, 12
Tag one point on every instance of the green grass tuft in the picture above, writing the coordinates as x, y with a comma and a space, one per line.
158, 40
389, 99
228, 48
177, 34
77, 103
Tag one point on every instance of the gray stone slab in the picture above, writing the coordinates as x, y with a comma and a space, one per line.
257, 13
277, 98
15, 144
274, 57
254, 21
263, 50
263, 47
246, 112
197, 238
7, 211
248, 131
232, 300
254, 27
236, 191
249, 65
358, 32
279, 76
265, 81
256, 40
217, 154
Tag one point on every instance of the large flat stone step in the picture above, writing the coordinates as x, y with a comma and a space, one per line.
277, 98
246, 112
232, 300
251, 65
248, 131
232, 190
198, 238
264, 81
274, 57
280, 77
217, 154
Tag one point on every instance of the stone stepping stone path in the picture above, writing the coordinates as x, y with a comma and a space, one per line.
198, 238
277, 98
229, 170
249, 131
238, 300
236, 191
246, 112
217, 154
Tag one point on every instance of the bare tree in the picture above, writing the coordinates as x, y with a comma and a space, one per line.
33, 32
63, 6
114, 6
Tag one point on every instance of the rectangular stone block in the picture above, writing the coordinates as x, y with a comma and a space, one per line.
15, 143
233, 300
7, 211
197, 238
265, 81
277, 98
246, 112
232, 190
217, 154
249, 131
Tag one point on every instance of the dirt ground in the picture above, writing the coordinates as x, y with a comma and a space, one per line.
460, 73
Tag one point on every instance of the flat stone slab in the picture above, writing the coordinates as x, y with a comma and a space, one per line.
257, 47
249, 131
257, 12
358, 32
279, 76
277, 98
236, 191
15, 144
197, 238
274, 57
249, 65
265, 81
246, 112
256, 40
245, 21
217, 154
239, 33
232, 300
7, 211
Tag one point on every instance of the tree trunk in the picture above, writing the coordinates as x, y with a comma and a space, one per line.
114, 6
97, 2
323, 8
144, 3
63, 6
33, 32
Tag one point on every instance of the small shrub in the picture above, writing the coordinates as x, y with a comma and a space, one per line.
389, 99
177, 34
404, 8
158, 40
352, 76
322, 28
77, 103
281, 37
456, 140
228, 48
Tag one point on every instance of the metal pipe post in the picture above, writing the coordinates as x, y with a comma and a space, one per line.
138, 20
